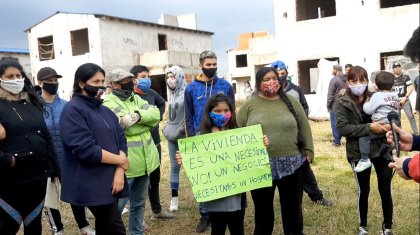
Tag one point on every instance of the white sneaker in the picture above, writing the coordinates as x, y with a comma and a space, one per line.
61, 232
87, 231
362, 165
174, 204
125, 210
146, 227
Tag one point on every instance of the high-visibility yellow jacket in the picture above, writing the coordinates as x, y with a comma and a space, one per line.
143, 156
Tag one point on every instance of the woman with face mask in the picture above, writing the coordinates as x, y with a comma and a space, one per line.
27, 157
95, 152
48, 81
284, 122
353, 123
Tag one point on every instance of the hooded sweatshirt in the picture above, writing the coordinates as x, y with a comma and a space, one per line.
196, 95
174, 129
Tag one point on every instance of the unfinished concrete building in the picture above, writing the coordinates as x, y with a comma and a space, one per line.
255, 50
64, 41
359, 32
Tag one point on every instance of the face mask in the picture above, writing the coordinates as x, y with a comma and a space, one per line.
220, 120
94, 91
129, 86
144, 84
171, 83
13, 86
122, 94
50, 88
358, 89
270, 89
209, 72
283, 79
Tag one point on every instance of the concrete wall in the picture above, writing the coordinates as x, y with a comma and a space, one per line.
357, 34
122, 42
113, 43
59, 26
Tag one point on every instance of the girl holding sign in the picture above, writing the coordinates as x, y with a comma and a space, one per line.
283, 120
219, 115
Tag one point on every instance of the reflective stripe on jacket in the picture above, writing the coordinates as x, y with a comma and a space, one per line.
142, 152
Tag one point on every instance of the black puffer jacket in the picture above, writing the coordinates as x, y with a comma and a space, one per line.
27, 140
353, 123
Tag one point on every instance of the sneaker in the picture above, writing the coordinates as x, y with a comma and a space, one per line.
362, 165
324, 202
386, 231
125, 210
362, 231
203, 225
87, 231
146, 227
61, 232
162, 215
174, 204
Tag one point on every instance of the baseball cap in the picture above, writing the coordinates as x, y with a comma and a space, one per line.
279, 65
47, 72
396, 64
118, 74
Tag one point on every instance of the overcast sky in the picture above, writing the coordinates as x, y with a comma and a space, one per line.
225, 18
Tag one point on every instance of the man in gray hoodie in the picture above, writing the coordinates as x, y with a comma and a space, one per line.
337, 83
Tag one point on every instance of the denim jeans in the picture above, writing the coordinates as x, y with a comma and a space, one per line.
337, 136
138, 193
172, 148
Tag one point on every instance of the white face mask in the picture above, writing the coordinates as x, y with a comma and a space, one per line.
13, 86
358, 89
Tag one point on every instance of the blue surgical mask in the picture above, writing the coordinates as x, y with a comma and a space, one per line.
358, 89
220, 120
144, 84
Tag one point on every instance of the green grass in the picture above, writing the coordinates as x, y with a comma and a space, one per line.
334, 177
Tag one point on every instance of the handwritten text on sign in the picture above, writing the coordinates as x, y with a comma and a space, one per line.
226, 163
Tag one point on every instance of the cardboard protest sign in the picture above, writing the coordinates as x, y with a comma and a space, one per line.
226, 163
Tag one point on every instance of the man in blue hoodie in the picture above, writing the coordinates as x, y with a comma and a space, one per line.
196, 95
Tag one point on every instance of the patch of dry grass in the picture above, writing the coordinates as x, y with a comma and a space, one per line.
335, 178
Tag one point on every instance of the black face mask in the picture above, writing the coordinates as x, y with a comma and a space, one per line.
209, 72
129, 86
50, 88
282, 79
122, 94
94, 91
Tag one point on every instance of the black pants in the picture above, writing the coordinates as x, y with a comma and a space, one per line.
310, 186
54, 217
233, 220
108, 220
154, 179
290, 191
26, 201
384, 176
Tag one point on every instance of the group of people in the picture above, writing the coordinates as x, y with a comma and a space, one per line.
105, 149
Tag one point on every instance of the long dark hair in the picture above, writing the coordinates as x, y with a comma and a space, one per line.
259, 77
355, 73
28, 87
84, 73
206, 123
